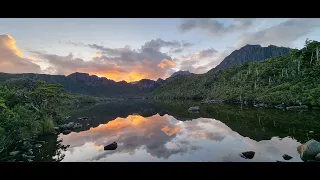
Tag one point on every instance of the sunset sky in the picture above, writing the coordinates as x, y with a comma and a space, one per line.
133, 49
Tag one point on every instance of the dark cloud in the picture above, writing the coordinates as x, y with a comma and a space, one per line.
157, 44
214, 26
12, 61
117, 64
282, 34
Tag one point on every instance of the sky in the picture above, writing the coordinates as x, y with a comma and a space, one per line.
133, 49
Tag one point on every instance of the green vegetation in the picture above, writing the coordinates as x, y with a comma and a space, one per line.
29, 108
290, 79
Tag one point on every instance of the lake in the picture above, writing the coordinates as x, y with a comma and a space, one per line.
166, 131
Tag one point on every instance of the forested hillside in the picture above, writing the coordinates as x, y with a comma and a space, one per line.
29, 108
291, 79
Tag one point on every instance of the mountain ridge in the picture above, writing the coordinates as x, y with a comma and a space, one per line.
250, 53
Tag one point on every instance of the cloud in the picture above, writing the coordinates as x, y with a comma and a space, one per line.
116, 63
11, 59
282, 34
176, 46
188, 62
215, 27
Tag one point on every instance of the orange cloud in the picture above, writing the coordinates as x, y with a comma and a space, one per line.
11, 59
97, 54
166, 63
170, 131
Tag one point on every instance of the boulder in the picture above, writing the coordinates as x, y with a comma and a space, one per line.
14, 153
77, 125
26, 157
286, 157
317, 157
83, 118
309, 150
38, 145
194, 108
111, 146
247, 155
26, 145
30, 152
66, 132
297, 107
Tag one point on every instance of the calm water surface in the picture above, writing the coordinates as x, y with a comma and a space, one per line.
166, 131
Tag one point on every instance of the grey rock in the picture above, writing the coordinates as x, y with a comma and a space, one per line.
41, 142
311, 132
14, 153
286, 157
248, 154
111, 146
11, 160
29, 152
317, 157
309, 150
66, 132
26, 145
194, 108
77, 125
38, 145
297, 107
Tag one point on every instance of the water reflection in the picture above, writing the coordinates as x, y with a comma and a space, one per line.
164, 138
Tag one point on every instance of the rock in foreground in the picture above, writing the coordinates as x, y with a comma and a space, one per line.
309, 150
111, 146
248, 154
286, 157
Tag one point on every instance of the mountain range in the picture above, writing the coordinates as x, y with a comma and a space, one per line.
93, 85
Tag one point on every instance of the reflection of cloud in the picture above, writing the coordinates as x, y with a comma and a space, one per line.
163, 138
132, 133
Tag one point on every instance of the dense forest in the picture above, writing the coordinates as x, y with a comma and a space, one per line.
291, 79
30, 108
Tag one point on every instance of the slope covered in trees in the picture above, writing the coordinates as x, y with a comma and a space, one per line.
292, 79
29, 108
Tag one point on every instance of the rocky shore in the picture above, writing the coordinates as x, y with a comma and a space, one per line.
258, 104
309, 152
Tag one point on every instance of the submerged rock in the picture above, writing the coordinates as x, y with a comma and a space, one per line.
247, 155
194, 108
309, 150
111, 146
66, 132
286, 157
14, 153
83, 118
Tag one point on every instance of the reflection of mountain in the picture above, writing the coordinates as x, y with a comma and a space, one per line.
101, 114
258, 124
164, 138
